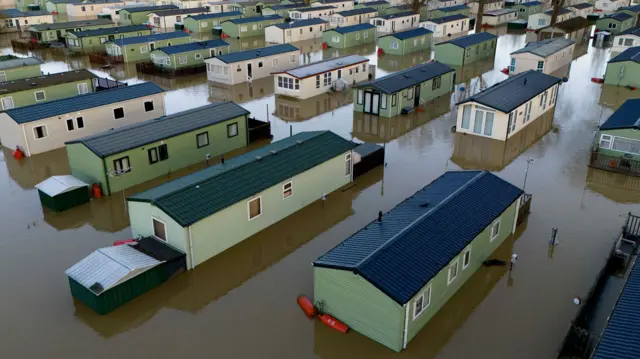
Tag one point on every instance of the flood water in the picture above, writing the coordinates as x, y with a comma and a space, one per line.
241, 304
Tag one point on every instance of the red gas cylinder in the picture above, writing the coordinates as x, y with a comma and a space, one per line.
332, 322
307, 306
124, 241
380, 51
324, 45
97, 191
18, 154
597, 80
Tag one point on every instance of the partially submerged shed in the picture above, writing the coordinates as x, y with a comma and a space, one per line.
466, 49
59, 193
367, 156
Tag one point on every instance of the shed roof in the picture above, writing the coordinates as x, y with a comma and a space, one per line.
446, 19
197, 196
300, 23
353, 28
148, 9
246, 20
452, 8
375, 3
630, 31
139, 134
509, 94
530, 3
499, 12
157, 249
621, 335
470, 40
315, 68
582, 6
366, 148
109, 31
315, 8
149, 38
545, 48
56, 185
81, 102
412, 76
421, 235
397, 15
634, 8
619, 16
215, 15
573, 24
192, 46
13, 13
45, 81
409, 34
355, 12
631, 54
171, 12
562, 11
626, 117
14, 61
70, 24
255, 53
107, 267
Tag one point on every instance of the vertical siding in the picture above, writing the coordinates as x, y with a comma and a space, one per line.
86, 166
365, 309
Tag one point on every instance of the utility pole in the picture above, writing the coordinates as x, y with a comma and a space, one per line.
526, 172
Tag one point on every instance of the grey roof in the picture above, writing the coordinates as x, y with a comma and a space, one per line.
366, 148
148, 9
374, 3
215, 15
469, 40
353, 28
319, 67
299, 23
530, 3
582, 6
110, 30
409, 34
626, 117
192, 46
412, 76
81, 102
545, 48
70, 24
137, 135
509, 94
57, 185
246, 20
13, 13
195, 10
255, 53
354, 12
562, 11
149, 38
419, 237
45, 81
499, 12
631, 54
634, 8
397, 15
19, 62
314, 8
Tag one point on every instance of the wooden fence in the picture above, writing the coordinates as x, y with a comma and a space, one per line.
525, 208
102, 58
103, 83
259, 130
615, 164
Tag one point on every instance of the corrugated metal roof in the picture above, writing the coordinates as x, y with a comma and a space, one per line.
325, 65
81, 102
619, 16
631, 54
108, 267
330, 1
354, 12
12, 13
171, 12
469, 40
216, 15
149, 38
45, 81
255, 53
545, 48
136, 135
499, 12
110, 30
197, 196
530, 3
409, 34
620, 338
452, 8
70, 24
148, 9
635, 8
562, 11
365, 149
445, 19
627, 116
56, 185
412, 76
19, 62
375, 3
630, 31
509, 94
396, 15
353, 28
300, 23
288, 6
420, 236
192, 46
581, 6
65, 1
314, 8
246, 20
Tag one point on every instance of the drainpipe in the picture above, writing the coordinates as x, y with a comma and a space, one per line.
406, 325
106, 174
191, 247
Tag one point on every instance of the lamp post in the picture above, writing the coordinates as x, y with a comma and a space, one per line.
526, 172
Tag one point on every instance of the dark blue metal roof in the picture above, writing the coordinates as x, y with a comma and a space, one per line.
246, 20
420, 236
581, 6
82, 102
149, 38
17, 13
412, 76
445, 19
631, 31
619, 16
452, 8
397, 15
530, 3
635, 8
403, 35
630, 54
301, 23
469, 40
216, 15
562, 11
193, 46
352, 28
354, 12
287, 6
627, 116
374, 3
314, 8
255, 53
110, 30
148, 8
621, 336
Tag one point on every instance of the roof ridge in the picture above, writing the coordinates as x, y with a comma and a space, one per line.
420, 218
101, 251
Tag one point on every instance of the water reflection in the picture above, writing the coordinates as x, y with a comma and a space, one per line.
242, 92
290, 109
614, 186
108, 214
614, 96
580, 50
175, 82
391, 63
364, 50
465, 73
30, 171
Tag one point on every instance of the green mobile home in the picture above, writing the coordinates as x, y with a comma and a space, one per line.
47, 33
390, 278
160, 146
443, 12
380, 6
15, 68
249, 26
29, 91
527, 9
139, 48
89, 41
402, 91
406, 42
193, 54
206, 22
633, 11
139, 14
615, 23
293, 173
466, 49
350, 36
617, 145
624, 69
59, 6
282, 9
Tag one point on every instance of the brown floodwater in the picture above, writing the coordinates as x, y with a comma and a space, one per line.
241, 304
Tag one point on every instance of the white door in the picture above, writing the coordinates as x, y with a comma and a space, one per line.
7, 103
82, 89
375, 103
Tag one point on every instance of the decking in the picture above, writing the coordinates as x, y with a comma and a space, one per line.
622, 165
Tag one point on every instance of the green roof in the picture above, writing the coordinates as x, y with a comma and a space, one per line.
197, 196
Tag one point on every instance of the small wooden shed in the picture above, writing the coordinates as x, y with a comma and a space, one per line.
62, 192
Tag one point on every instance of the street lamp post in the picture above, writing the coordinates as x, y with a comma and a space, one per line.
526, 172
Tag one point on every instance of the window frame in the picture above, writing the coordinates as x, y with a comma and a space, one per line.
610, 140
10, 98
423, 306
120, 160
206, 133
258, 198
453, 264
44, 95
466, 252
495, 224
70, 120
46, 132
154, 219
285, 190
81, 85
348, 159
149, 152
231, 126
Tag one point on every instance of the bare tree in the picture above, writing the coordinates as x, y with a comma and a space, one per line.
556, 5
416, 5
481, 4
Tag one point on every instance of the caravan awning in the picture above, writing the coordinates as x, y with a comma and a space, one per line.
56, 185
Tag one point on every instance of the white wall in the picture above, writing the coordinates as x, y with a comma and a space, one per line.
307, 86
189, 4
397, 24
89, 9
340, 6
168, 22
537, 21
528, 61
442, 30
282, 62
275, 35
499, 20
321, 14
337, 20
623, 42
11, 24
609, 6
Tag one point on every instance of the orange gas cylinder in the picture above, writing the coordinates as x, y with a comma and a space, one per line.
18, 154
97, 192
333, 323
307, 306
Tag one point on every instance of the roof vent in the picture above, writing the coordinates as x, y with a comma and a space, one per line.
273, 152
425, 204
258, 158
406, 76
525, 80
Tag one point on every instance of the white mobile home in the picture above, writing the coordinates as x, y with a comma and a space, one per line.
499, 17
504, 109
315, 12
610, 6
167, 19
12, 20
396, 22
543, 19
319, 77
248, 65
582, 9
353, 17
221, 6
488, 6
90, 8
286, 33
46, 126
626, 39
338, 4
545, 56
447, 25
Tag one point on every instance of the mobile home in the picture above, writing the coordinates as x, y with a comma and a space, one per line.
618, 138
137, 15
543, 19
350, 36
338, 4
615, 23
139, 48
206, 22
16, 20
315, 12
624, 69
466, 49
545, 56
447, 26
249, 26
168, 19
582, 9
489, 5
446, 11
193, 54
89, 41
55, 32
15, 68
577, 29
499, 17
352, 17
406, 42
626, 39
294, 31
396, 22
90, 8
526, 9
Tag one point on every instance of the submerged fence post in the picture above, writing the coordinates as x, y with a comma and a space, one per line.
554, 233
267, 112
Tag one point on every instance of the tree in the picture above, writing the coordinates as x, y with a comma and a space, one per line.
416, 5
556, 5
481, 4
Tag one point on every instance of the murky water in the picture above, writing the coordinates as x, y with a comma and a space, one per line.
241, 304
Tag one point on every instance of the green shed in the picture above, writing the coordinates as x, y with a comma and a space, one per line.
466, 49
112, 276
527, 9
350, 36
249, 26
624, 69
615, 23
406, 42
59, 193
206, 22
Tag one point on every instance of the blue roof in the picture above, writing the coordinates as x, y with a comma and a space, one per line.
82, 102
149, 38
216, 15
352, 28
444, 19
110, 30
255, 53
630, 31
581, 6
193, 46
469, 40
397, 15
530, 3
619, 16
18, 13
621, 336
301, 23
630, 54
314, 8
635, 8
374, 3
627, 116
246, 20
288, 6
403, 35
421, 235
360, 11
453, 8
148, 8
